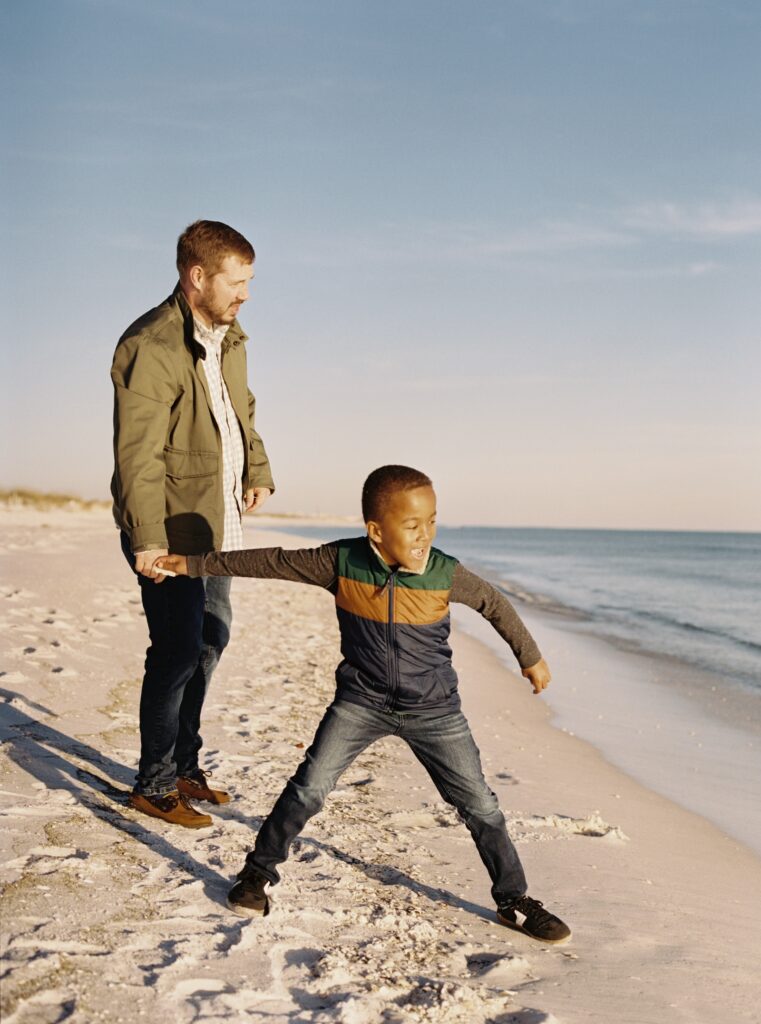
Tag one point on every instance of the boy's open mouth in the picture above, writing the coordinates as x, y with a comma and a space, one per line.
417, 552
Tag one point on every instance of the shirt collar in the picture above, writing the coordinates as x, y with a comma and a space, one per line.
209, 337
402, 568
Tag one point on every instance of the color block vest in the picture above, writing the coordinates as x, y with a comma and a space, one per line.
394, 632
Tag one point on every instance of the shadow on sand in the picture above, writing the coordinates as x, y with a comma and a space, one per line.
61, 762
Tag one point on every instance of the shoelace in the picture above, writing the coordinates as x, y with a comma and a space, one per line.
534, 909
168, 802
171, 800
194, 779
250, 875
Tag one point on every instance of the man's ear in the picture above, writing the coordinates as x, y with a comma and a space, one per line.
196, 276
374, 532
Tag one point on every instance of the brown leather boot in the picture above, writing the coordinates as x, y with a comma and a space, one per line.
173, 807
196, 787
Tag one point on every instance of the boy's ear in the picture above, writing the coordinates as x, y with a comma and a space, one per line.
374, 532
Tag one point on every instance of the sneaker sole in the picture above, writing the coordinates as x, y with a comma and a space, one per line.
248, 911
204, 823
514, 926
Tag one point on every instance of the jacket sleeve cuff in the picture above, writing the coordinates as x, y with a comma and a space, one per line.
261, 479
529, 656
148, 538
195, 565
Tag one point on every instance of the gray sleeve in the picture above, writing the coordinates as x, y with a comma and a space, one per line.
469, 589
301, 565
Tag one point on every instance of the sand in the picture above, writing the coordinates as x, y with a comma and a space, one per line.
384, 913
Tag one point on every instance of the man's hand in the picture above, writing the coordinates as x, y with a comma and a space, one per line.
144, 561
256, 497
538, 675
178, 564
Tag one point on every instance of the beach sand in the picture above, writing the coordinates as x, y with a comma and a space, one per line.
384, 912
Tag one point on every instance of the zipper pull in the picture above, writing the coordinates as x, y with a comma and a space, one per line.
387, 584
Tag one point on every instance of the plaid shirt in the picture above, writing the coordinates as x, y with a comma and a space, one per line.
229, 429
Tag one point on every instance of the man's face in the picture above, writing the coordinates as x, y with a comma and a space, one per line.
406, 530
220, 296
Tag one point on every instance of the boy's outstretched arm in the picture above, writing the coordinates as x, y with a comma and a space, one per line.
470, 589
301, 565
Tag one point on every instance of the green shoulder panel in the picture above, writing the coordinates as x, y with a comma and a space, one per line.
437, 576
356, 561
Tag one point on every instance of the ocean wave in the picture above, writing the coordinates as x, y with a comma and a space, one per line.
541, 601
692, 627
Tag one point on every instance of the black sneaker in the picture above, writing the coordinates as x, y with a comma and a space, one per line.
247, 897
537, 922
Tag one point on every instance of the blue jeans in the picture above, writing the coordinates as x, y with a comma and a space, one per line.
189, 626
445, 748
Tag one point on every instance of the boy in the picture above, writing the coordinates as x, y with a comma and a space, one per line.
392, 592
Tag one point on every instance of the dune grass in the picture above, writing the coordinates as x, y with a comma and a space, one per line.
41, 500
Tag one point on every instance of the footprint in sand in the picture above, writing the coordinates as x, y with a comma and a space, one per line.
46, 860
501, 972
13, 677
593, 825
51, 1006
200, 987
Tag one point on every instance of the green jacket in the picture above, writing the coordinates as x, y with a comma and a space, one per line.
167, 483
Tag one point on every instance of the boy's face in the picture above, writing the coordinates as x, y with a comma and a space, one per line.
405, 531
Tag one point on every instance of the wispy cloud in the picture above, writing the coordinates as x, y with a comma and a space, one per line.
707, 220
550, 236
645, 12
701, 229
472, 242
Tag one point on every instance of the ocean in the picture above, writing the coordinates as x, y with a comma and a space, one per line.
691, 596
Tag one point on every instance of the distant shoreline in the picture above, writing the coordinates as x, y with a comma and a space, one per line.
29, 498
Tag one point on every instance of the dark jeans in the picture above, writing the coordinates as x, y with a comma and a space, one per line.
189, 627
445, 748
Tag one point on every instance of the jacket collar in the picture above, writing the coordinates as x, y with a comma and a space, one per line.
235, 335
401, 568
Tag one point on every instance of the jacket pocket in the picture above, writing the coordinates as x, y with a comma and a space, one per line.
184, 465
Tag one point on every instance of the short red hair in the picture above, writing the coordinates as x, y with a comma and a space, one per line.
206, 243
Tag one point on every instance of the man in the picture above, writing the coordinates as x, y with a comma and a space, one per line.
188, 463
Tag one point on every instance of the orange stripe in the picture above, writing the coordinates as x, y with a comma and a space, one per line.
411, 607
362, 599
419, 607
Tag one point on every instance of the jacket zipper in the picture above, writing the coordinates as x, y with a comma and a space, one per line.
391, 658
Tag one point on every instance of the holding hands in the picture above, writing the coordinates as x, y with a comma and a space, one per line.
172, 565
145, 562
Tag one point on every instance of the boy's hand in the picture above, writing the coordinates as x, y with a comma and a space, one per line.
177, 564
538, 675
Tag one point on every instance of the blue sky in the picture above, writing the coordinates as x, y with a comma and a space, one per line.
516, 244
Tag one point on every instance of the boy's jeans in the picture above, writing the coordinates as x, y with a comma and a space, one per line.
445, 748
189, 626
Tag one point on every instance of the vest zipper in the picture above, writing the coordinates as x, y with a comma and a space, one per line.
391, 658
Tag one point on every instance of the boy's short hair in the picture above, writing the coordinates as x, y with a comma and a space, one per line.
206, 243
386, 481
